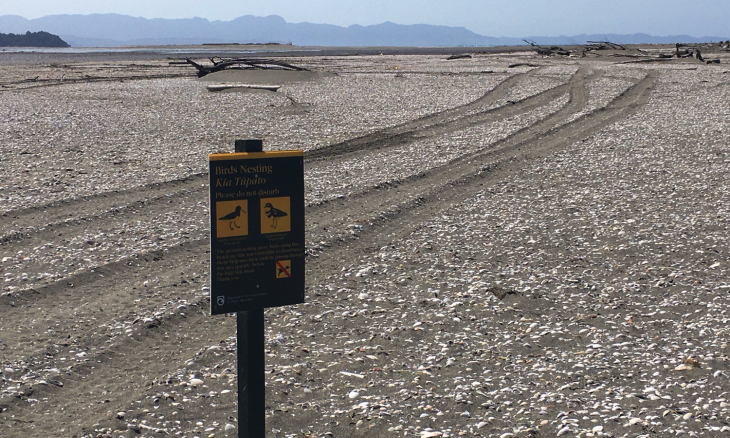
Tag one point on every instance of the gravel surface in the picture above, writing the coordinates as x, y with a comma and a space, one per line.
492, 251
355, 175
81, 139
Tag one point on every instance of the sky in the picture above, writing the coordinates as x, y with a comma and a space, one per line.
497, 18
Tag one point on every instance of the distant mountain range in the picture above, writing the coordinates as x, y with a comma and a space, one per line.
113, 30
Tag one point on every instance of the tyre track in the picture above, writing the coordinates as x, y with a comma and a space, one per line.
420, 199
90, 282
47, 219
37, 225
320, 215
491, 166
321, 219
88, 207
193, 190
54, 217
458, 117
400, 192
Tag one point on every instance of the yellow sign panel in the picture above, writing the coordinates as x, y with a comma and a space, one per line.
275, 216
232, 218
283, 268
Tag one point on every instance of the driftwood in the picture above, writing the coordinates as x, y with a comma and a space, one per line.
522, 64
463, 56
603, 45
241, 63
688, 52
548, 51
222, 87
634, 61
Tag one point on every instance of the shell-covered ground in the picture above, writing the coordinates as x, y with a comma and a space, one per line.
492, 250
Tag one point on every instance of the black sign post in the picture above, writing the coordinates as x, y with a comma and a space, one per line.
251, 364
256, 255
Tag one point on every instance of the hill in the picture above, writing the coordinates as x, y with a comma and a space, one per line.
32, 39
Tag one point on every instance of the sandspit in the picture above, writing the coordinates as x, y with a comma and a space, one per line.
491, 251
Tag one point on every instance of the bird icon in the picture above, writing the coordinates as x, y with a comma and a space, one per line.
273, 213
232, 217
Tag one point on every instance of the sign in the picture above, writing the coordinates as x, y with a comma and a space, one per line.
257, 230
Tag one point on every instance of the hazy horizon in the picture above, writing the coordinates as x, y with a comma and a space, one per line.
497, 18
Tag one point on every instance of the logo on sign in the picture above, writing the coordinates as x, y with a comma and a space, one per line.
221, 300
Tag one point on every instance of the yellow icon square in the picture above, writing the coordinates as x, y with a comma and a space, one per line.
231, 218
283, 268
275, 215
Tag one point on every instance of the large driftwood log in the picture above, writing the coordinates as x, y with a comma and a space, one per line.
462, 56
603, 45
223, 64
548, 51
